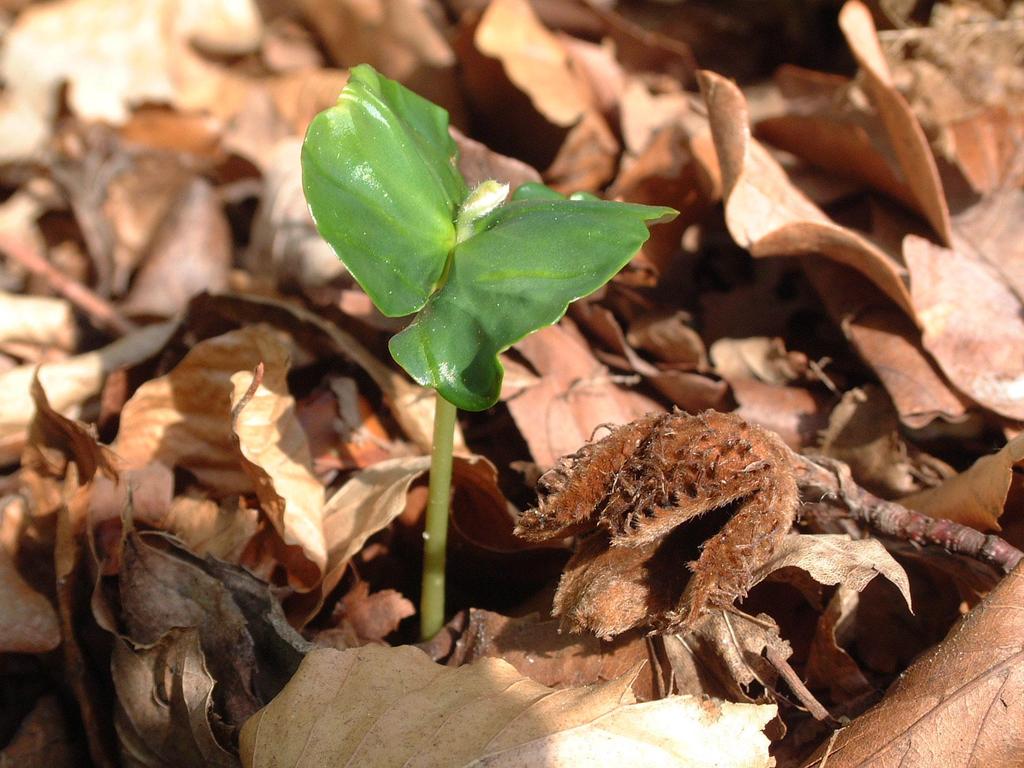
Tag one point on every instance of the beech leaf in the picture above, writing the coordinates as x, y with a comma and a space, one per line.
395, 707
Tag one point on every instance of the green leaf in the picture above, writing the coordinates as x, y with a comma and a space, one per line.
380, 176
527, 262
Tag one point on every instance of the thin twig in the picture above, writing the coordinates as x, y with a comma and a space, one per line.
102, 312
796, 685
831, 481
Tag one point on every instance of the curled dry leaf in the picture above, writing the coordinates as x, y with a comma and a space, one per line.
909, 143
276, 456
829, 666
373, 497
393, 706
834, 559
28, 622
534, 59
164, 699
363, 617
634, 490
45, 739
766, 214
890, 343
960, 704
195, 418
976, 497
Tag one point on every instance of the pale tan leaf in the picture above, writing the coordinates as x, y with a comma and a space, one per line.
960, 704
766, 214
393, 706
70, 382
113, 56
28, 623
534, 60
210, 529
837, 559
37, 320
276, 456
977, 496
183, 419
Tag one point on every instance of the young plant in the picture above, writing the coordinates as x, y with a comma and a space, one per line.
479, 270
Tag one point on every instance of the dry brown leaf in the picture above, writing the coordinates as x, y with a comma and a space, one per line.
724, 655
534, 59
37, 320
189, 253
44, 739
276, 456
362, 617
890, 343
905, 134
586, 160
766, 214
208, 528
863, 432
972, 321
960, 704
410, 404
977, 496
829, 666
477, 163
393, 706
114, 56
164, 704
285, 245
539, 651
575, 395
70, 382
835, 559
183, 419
404, 39
28, 622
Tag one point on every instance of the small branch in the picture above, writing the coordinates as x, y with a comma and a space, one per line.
796, 685
832, 482
99, 309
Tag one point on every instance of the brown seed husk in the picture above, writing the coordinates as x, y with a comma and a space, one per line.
631, 492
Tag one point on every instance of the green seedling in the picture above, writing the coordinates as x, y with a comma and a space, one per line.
479, 270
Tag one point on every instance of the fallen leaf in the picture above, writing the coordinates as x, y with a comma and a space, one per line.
890, 343
70, 382
977, 496
362, 617
830, 666
189, 253
974, 342
37, 320
85, 44
539, 651
533, 59
767, 215
863, 432
393, 705
28, 622
959, 704
276, 456
586, 160
44, 739
837, 559
164, 704
575, 395
909, 143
